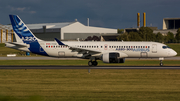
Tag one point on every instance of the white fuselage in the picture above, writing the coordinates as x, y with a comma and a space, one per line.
132, 49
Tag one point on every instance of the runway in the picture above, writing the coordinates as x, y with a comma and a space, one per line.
87, 67
55, 58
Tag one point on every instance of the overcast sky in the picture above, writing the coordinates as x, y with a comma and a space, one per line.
102, 13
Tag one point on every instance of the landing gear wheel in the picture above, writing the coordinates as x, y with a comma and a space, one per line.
161, 64
95, 63
90, 63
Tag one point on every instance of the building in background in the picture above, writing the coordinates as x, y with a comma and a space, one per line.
67, 31
6, 34
77, 31
169, 25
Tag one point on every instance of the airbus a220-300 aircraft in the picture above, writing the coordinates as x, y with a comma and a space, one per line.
108, 52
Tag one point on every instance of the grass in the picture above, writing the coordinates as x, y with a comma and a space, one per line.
4, 50
79, 85
84, 62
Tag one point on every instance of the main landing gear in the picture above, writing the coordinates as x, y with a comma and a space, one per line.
93, 63
161, 63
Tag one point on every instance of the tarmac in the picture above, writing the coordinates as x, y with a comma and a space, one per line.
83, 67
55, 58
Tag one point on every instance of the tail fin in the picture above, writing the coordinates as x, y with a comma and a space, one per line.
22, 30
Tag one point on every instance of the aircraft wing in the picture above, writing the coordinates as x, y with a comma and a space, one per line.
86, 52
83, 50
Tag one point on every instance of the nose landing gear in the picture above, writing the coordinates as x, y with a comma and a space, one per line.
161, 63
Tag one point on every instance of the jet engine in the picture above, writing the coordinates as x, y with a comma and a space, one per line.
113, 57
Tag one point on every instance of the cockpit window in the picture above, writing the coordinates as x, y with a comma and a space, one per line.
165, 47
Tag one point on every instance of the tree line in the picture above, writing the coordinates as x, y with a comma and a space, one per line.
146, 34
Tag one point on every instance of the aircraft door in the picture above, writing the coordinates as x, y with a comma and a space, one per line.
154, 48
61, 53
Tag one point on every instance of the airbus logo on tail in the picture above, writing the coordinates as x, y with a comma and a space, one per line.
29, 38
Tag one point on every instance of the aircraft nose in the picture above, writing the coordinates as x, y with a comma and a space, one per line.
173, 53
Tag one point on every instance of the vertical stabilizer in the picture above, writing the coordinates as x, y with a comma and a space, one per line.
21, 30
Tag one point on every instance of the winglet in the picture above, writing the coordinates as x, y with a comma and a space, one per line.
59, 42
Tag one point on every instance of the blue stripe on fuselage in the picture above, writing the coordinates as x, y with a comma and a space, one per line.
35, 48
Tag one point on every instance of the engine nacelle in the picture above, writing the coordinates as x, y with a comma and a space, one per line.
112, 57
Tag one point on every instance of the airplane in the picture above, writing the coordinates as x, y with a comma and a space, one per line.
107, 51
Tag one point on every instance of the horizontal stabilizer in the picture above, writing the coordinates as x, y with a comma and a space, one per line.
18, 44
